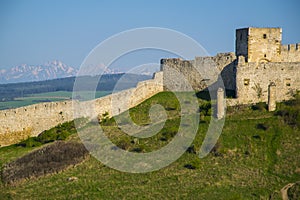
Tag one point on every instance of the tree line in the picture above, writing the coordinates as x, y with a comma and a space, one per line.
107, 82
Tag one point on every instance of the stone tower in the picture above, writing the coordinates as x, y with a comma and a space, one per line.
259, 44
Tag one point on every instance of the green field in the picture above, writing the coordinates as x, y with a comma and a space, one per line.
256, 155
48, 97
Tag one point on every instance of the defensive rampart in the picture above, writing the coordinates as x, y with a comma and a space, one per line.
20, 123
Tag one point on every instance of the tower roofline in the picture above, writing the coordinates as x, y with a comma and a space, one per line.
255, 27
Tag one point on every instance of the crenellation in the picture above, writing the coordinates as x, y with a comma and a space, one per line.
284, 48
291, 47
259, 59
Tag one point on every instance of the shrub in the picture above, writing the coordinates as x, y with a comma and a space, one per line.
191, 149
261, 106
257, 89
60, 132
194, 164
205, 108
123, 144
291, 116
216, 149
137, 149
30, 142
262, 126
105, 120
168, 133
49, 159
290, 111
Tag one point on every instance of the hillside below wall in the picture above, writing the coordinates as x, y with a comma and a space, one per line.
20, 123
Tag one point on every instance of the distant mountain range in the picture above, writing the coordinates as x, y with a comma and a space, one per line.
29, 73
106, 82
48, 71
57, 69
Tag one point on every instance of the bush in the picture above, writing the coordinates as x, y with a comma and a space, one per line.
216, 149
262, 126
30, 142
194, 164
49, 159
290, 111
168, 134
291, 116
105, 120
60, 132
137, 149
123, 144
205, 108
191, 149
261, 106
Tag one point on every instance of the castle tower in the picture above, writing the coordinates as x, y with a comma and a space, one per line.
259, 44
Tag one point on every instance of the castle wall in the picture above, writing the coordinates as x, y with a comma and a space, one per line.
253, 79
199, 73
20, 123
290, 53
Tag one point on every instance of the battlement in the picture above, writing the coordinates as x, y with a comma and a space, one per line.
290, 53
291, 47
264, 45
258, 61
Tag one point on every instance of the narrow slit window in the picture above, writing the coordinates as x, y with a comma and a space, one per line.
265, 36
246, 81
288, 82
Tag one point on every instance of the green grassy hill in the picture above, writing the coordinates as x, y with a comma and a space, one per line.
256, 155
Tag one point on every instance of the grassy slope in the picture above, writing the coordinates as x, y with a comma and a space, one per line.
254, 163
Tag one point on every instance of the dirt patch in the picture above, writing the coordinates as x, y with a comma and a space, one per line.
49, 159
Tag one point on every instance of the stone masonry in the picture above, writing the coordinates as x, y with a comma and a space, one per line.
20, 123
260, 70
259, 60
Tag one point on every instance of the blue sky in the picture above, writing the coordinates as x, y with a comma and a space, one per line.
35, 31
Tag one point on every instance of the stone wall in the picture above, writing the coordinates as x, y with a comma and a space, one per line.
20, 123
199, 73
264, 45
259, 44
259, 60
290, 53
253, 79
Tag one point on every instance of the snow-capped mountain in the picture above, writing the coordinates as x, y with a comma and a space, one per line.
27, 73
50, 70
